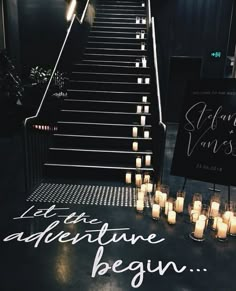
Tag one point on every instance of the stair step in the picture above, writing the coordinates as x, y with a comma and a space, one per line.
96, 157
117, 23
108, 95
117, 29
118, 14
117, 51
101, 142
97, 44
99, 85
101, 105
131, 59
113, 69
112, 34
116, 39
103, 116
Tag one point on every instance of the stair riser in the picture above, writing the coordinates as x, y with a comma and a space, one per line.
117, 52
111, 45
106, 130
106, 86
77, 105
95, 158
121, 29
132, 97
110, 69
116, 39
118, 23
108, 118
83, 174
121, 34
116, 59
84, 76
101, 143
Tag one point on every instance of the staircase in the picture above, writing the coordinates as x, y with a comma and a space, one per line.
108, 101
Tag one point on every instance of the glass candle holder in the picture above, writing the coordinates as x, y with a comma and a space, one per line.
193, 213
216, 220
164, 194
171, 217
197, 201
198, 231
169, 205
179, 202
232, 226
222, 230
228, 211
214, 205
139, 206
138, 179
156, 211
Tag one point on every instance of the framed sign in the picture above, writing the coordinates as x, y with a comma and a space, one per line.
205, 147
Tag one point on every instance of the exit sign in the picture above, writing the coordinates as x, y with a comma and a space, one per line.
216, 54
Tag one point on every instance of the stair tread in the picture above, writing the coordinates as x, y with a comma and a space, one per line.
118, 37
116, 49
107, 65
101, 136
101, 166
111, 74
106, 82
110, 92
101, 123
103, 101
101, 151
105, 112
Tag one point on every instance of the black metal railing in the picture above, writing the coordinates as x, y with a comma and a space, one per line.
158, 126
39, 128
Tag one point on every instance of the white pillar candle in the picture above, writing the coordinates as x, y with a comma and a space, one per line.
140, 205
137, 65
215, 206
163, 198
146, 178
135, 146
194, 215
139, 109
171, 217
168, 207
141, 195
144, 99
197, 205
138, 162
226, 216
139, 80
199, 229
156, 209
128, 178
138, 180
146, 133
148, 160
147, 80
202, 217
142, 34
137, 20
222, 229
232, 228
146, 109
143, 120
179, 204
216, 220
135, 131
142, 46
144, 21
144, 188
149, 187
138, 35
157, 196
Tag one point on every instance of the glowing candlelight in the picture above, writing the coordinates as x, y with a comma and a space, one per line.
171, 217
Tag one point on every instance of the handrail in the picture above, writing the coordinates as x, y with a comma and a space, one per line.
53, 72
157, 72
84, 12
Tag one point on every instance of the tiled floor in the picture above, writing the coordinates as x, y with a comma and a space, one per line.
71, 266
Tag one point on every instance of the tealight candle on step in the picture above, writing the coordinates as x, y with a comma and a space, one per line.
144, 99
140, 205
138, 180
171, 218
148, 160
142, 34
128, 178
146, 109
138, 162
143, 4
222, 229
147, 80
137, 20
142, 46
137, 64
138, 35
146, 134
156, 209
135, 132
139, 80
143, 120
199, 229
139, 109
144, 21
135, 146
144, 62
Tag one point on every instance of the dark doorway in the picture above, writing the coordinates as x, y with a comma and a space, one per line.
181, 69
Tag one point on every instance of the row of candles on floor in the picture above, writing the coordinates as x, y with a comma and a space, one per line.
217, 215
142, 62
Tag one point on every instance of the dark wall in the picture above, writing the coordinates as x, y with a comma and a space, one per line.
2, 34
192, 28
42, 27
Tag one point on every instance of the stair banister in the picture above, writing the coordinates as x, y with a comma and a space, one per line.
84, 12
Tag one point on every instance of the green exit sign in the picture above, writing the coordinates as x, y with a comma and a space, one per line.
216, 54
